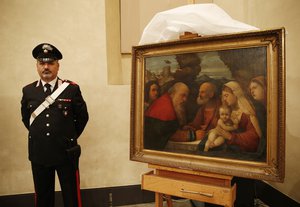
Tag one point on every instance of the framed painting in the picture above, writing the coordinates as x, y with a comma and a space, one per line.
213, 104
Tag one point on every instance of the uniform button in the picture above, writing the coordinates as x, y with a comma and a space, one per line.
29, 137
48, 134
47, 124
47, 115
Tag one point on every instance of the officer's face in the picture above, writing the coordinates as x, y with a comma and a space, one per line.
47, 70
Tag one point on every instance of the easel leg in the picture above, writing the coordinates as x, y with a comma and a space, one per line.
169, 200
158, 200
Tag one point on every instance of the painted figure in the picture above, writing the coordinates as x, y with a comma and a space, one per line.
189, 66
247, 137
166, 115
206, 117
258, 91
152, 92
226, 123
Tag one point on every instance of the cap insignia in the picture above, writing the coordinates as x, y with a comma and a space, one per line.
47, 48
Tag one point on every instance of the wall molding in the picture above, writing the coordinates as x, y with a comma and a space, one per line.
129, 195
105, 197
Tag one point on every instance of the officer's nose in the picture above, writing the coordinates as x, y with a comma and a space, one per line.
46, 66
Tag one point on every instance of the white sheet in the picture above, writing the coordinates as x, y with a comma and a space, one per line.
204, 19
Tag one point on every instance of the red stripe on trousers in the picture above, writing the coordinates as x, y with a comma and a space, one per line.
78, 188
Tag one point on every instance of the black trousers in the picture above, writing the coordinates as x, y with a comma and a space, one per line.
44, 184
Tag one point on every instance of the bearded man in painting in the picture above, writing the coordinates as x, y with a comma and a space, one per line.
166, 115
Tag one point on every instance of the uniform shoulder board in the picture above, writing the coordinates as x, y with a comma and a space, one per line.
71, 82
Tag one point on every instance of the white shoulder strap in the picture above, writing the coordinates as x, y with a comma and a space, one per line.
48, 101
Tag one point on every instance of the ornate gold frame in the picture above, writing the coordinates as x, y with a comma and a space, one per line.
273, 167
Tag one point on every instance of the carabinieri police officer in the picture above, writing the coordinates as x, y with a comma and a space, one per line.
54, 126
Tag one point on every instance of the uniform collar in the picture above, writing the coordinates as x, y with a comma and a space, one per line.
52, 83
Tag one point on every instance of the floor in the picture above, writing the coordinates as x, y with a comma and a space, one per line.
187, 203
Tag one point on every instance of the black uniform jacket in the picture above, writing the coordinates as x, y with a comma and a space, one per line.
57, 127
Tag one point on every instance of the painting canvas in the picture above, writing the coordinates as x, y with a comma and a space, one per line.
213, 104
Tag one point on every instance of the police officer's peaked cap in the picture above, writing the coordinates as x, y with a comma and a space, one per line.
46, 52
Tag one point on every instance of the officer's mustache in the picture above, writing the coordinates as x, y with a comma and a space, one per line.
46, 71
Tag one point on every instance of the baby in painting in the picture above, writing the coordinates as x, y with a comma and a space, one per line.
226, 123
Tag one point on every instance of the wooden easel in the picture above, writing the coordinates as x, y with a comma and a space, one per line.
195, 185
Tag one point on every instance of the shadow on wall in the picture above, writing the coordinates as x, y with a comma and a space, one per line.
295, 191
292, 165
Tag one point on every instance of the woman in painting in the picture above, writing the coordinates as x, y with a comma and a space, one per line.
258, 91
152, 92
247, 137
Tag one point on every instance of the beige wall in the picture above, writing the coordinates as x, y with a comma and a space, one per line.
78, 28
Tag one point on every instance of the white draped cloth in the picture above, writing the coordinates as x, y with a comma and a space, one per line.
204, 19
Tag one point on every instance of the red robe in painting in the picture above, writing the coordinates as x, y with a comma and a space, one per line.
160, 123
205, 119
246, 138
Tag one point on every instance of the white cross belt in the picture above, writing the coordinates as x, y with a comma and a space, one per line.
48, 101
